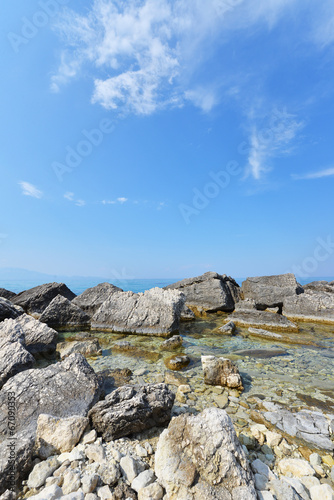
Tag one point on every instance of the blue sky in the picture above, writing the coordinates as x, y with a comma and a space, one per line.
156, 138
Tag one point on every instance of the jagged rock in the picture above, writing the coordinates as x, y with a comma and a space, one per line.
6, 294
155, 312
92, 298
56, 435
14, 358
131, 409
270, 291
39, 337
209, 292
86, 348
320, 286
187, 314
221, 371
262, 319
310, 306
200, 457
22, 448
228, 329
9, 310
41, 472
61, 312
36, 300
172, 343
62, 390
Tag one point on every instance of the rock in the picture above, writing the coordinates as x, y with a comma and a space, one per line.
270, 291
132, 409
259, 353
317, 286
172, 343
177, 362
261, 468
265, 334
58, 435
86, 348
105, 493
92, 298
315, 459
209, 292
310, 306
14, 357
39, 338
109, 473
295, 467
61, 312
151, 492
283, 490
72, 482
322, 492
143, 479
41, 471
200, 457
6, 294
89, 482
77, 495
36, 300
96, 452
91, 496
124, 492
52, 492
155, 312
90, 437
174, 378
221, 371
273, 438
131, 468
187, 314
9, 310
8, 495
262, 319
228, 329
298, 486
265, 495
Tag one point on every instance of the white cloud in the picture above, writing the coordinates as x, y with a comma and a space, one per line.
80, 203
30, 190
327, 172
69, 196
122, 200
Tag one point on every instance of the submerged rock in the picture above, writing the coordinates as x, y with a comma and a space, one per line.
200, 457
221, 371
263, 319
187, 314
270, 291
172, 343
209, 292
177, 362
310, 306
260, 353
61, 312
131, 409
9, 310
86, 348
37, 299
155, 312
92, 298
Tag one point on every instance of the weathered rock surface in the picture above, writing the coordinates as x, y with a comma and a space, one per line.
132, 409
209, 292
39, 337
177, 362
228, 329
6, 294
86, 348
92, 298
36, 300
320, 286
172, 343
155, 312
310, 306
221, 371
270, 291
61, 312
9, 310
23, 449
262, 319
200, 457
56, 435
187, 314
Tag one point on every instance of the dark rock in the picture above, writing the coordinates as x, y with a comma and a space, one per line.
37, 299
6, 294
209, 292
124, 492
8, 310
61, 312
92, 298
263, 319
177, 362
155, 312
221, 371
39, 338
23, 444
132, 409
310, 306
270, 291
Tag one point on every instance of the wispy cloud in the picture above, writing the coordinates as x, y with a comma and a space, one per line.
327, 172
80, 203
69, 196
30, 190
120, 200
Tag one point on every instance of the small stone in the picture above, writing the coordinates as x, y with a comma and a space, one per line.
104, 493
130, 468
172, 343
51, 493
52, 480
184, 388
91, 496
261, 468
90, 437
328, 460
310, 481
143, 479
265, 495
273, 438
75, 495
228, 329
109, 473
72, 482
89, 482
322, 492
222, 401
140, 451
177, 362
261, 482
151, 492
96, 452
315, 459
295, 467
41, 472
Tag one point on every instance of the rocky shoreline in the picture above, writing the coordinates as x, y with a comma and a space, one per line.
168, 424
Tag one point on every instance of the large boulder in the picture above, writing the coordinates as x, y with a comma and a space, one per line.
62, 313
200, 457
131, 409
92, 298
6, 294
312, 305
9, 310
62, 390
36, 300
270, 291
262, 319
155, 312
209, 292
320, 286
39, 338
221, 371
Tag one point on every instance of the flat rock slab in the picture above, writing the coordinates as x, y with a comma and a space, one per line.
131, 409
92, 298
310, 306
270, 291
260, 353
62, 313
262, 319
35, 300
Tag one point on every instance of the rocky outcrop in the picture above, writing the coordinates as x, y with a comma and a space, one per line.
9, 310
62, 390
200, 457
209, 292
312, 305
39, 338
270, 291
155, 312
85, 347
62, 313
37, 299
320, 286
6, 294
92, 298
131, 409
262, 319
221, 371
